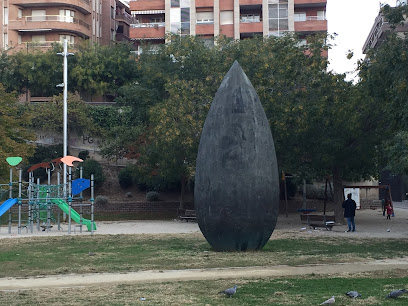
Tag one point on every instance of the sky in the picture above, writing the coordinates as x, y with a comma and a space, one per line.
352, 21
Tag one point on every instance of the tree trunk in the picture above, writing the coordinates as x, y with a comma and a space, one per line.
338, 196
182, 192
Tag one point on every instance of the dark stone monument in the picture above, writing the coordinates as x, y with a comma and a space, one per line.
236, 194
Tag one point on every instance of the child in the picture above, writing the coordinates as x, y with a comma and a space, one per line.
389, 210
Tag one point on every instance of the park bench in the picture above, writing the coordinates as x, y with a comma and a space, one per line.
315, 221
187, 214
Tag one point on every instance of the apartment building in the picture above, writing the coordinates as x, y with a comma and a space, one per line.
381, 29
26, 24
238, 19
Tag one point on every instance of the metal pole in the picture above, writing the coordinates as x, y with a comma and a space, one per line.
81, 206
10, 196
59, 195
92, 204
65, 114
38, 204
69, 201
30, 201
20, 174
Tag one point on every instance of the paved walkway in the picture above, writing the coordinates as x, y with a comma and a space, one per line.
369, 224
71, 280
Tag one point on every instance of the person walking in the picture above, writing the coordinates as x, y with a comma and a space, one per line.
350, 206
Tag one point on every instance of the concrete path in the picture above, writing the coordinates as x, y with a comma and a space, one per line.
71, 280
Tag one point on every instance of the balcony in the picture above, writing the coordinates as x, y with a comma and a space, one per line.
144, 5
51, 23
140, 31
204, 3
83, 6
311, 24
310, 3
124, 17
41, 45
205, 29
251, 24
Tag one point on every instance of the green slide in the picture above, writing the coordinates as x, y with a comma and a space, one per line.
74, 215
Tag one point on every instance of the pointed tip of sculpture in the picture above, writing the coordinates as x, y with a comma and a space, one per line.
235, 65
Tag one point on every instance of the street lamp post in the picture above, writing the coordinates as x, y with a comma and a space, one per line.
65, 123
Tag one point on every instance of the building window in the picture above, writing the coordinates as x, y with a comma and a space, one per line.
70, 39
112, 12
180, 17
66, 15
321, 15
38, 38
300, 16
278, 17
5, 41
185, 20
19, 39
38, 15
302, 42
175, 3
156, 20
20, 13
226, 17
205, 17
5, 14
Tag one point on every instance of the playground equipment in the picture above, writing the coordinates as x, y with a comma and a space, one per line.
43, 203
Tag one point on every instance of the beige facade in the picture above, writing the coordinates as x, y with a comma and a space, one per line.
26, 24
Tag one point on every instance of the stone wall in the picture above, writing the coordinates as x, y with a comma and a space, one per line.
295, 204
171, 208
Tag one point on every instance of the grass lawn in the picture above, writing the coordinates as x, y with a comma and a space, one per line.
35, 256
300, 291
122, 253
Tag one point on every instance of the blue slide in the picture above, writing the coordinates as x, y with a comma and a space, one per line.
6, 205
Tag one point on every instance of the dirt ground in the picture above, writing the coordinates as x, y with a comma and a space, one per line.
369, 224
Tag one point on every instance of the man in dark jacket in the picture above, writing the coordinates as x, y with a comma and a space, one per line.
350, 206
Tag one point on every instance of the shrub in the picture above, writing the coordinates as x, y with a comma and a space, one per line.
91, 166
126, 177
101, 200
152, 196
83, 155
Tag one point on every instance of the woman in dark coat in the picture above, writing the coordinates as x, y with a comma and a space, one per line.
350, 206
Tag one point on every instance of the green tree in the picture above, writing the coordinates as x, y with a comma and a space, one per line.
322, 125
384, 80
49, 116
101, 70
14, 133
